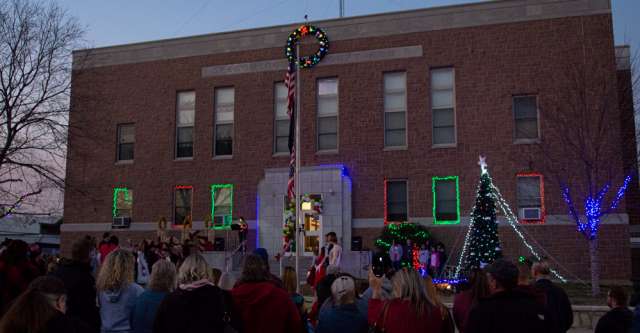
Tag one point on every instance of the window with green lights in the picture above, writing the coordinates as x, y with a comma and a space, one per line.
122, 202
446, 200
221, 205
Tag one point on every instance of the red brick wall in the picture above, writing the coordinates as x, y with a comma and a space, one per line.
492, 63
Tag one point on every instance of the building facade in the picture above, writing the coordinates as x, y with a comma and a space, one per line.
392, 123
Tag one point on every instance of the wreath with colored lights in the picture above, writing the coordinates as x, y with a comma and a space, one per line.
316, 203
297, 35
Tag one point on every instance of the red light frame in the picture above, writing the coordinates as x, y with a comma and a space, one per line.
543, 211
182, 187
386, 181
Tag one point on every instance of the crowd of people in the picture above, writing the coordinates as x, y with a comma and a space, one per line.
103, 287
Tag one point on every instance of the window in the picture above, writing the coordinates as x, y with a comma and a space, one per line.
525, 111
126, 141
182, 204
327, 114
396, 201
221, 205
443, 106
122, 202
224, 104
446, 200
281, 135
395, 107
530, 195
185, 121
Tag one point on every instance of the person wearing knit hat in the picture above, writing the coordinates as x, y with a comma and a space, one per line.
340, 312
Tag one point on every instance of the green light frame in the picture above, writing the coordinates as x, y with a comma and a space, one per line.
117, 190
434, 180
227, 218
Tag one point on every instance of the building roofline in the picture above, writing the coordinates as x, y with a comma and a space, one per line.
366, 26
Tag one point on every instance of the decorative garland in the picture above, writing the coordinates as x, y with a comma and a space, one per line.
297, 35
316, 203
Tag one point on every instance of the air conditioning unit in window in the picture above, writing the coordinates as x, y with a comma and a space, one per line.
530, 214
121, 223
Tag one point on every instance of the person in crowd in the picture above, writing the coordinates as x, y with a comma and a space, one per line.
290, 282
161, 283
215, 276
264, 255
323, 292
407, 251
442, 258
387, 288
434, 261
619, 319
37, 259
227, 281
395, 254
464, 301
77, 276
525, 282
558, 313
341, 313
506, 309
197, 305
16, 272
261, 303
423, 257
41, 308
409, 310
635, 326
447, 320
142, 267
335, 252
108, 244
320, 267
117, 293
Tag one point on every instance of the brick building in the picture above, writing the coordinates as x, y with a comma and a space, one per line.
393, 121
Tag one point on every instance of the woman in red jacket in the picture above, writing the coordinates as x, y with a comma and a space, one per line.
262, 305
409, 310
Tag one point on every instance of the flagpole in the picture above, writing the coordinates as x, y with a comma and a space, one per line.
298, 109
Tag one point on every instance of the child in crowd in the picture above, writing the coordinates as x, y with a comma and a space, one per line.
395, 253
424, 259
434, 263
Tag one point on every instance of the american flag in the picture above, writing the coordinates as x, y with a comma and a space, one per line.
290, 83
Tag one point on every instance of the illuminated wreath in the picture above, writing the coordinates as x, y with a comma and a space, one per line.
296, 35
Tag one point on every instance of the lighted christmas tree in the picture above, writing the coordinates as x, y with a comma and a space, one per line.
484, 245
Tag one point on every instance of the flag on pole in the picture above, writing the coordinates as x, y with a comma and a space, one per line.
290, 83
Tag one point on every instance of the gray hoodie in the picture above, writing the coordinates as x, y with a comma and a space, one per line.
116, 308
386, 292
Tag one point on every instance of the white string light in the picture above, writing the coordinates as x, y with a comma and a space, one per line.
506, 210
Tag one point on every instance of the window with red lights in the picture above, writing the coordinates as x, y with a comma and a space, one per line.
530, 197
182, 201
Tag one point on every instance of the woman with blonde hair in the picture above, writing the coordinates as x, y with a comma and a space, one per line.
197, 305
432, 294
409, 309
117, 293
161, 283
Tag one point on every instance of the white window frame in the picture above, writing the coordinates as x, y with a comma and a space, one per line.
223, 122
453, 106
277, 118
517, 140
336, 115
404, 110
119, 128
178, 125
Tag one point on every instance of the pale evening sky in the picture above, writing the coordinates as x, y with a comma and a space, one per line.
115, 22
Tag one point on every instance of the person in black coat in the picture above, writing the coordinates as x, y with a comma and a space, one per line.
558, 313
76, 274
508, 309
619, 318
197, 305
